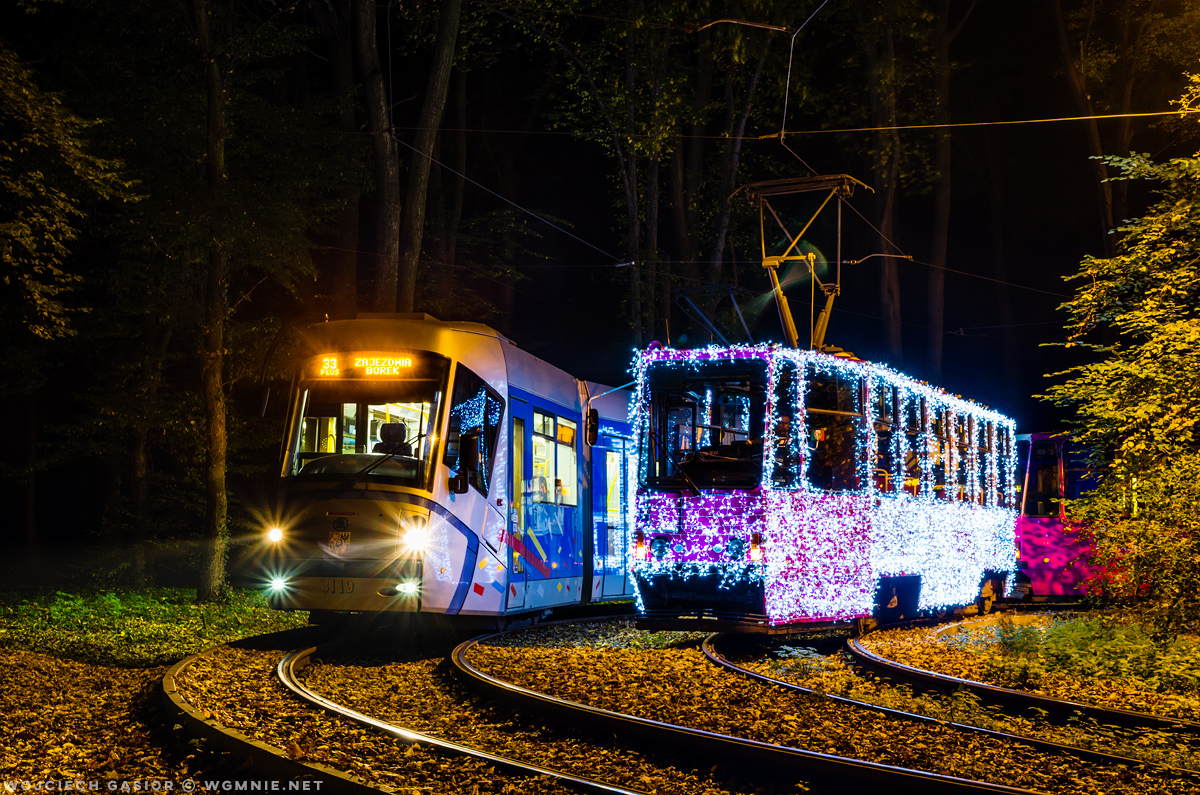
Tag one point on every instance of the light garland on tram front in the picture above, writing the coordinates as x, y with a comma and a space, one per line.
824, 551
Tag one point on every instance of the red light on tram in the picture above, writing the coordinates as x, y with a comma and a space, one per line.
640, 549
756, 546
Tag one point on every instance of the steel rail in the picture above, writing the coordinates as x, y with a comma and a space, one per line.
1011, 697
263, 758
711, 652
286, 671
694, 743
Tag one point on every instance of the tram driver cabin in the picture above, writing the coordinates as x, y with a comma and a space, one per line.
780, 486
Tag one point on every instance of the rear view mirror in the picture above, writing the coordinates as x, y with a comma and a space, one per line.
468, 452
591, 429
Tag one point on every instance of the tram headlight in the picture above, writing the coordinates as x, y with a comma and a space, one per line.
275, 535
278, 584
416, 537
408, 587
659, 547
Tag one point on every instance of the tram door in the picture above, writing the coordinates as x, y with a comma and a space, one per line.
616, 513
517, 578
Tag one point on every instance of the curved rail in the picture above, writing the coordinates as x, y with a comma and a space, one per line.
286, 671
265, 759
1124, 718
716, 657
843, 771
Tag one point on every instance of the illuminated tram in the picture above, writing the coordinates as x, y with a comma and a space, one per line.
434, 467
780, 486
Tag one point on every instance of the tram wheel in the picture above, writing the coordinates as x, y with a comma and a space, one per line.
987, 596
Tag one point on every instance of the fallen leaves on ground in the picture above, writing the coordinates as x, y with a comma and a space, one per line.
836, 675
966, 653
239, 689
421, 695
64, 720
677, 684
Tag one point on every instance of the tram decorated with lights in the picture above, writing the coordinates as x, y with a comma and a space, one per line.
780, 486
435, 467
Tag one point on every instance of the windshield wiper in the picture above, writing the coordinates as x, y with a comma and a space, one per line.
369, 468
678, 466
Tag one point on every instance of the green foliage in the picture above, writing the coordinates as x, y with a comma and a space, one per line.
1140, 401
46, 174
133, 628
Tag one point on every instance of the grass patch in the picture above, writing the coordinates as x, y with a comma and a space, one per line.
133, 628
1101, 647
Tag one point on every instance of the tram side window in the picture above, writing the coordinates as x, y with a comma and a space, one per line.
940, 459
1043, 491
1004, 454
914, 414
962, 478
555, 471
543, 457
833, 414
788, 451
983, 456
475, 407
884, 412
318, 429
566, 484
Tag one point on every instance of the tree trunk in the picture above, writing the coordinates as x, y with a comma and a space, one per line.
33, 547
460, 165
1077, 81
944, 35
413, 219
885, 165
112, 514
632, 220
652, 201
996, 196
694, 167
344, 256
138, 498
386, 161
731, 166
212, 585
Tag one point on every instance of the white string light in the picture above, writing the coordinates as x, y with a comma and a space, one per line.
822, 553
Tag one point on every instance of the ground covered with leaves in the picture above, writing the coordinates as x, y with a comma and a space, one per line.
97, 715
668, 679
1103, 660
65, 720
422, 694
830, 670
238, 688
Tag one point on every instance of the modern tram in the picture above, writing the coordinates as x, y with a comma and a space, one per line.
779, 487
1052, 560
435, 467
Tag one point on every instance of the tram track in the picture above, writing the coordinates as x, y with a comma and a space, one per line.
1062, 709
772, 749
287, 672
718, 657
230, 697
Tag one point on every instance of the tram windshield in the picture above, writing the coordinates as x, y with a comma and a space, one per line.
705, 425
376, 420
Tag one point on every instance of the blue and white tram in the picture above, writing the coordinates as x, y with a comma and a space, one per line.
435, 467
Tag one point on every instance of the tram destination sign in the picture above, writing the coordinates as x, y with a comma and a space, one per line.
358, 365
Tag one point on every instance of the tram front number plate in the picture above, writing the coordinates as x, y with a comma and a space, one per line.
335, 585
